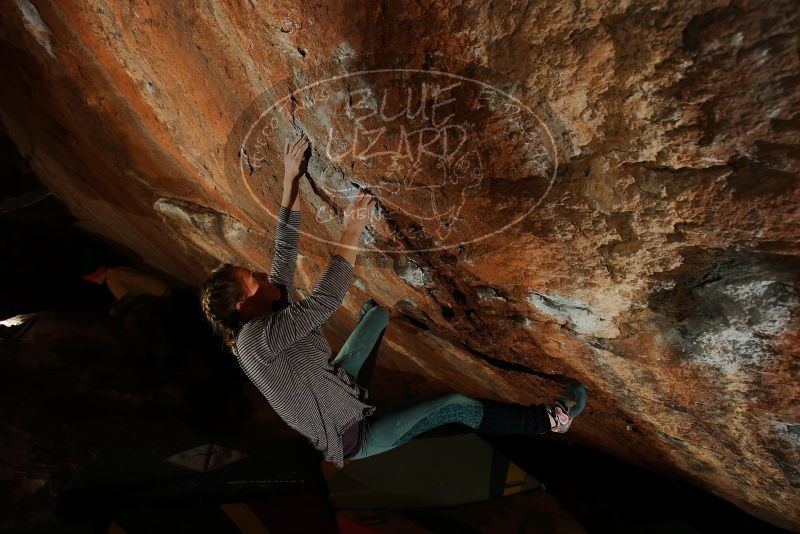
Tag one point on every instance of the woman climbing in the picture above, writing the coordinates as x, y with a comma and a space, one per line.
279, 344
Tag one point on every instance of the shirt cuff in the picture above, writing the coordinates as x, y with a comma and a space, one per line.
288, 223
343, 260
287, 214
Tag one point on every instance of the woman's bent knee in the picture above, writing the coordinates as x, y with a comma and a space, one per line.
378, 315
458, 398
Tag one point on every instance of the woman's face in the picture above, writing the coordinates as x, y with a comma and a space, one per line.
249, 281
261, 296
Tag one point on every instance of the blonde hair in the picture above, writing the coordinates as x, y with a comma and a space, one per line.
218, 297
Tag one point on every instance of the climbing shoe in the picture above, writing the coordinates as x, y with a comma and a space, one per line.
567, 407
367, 306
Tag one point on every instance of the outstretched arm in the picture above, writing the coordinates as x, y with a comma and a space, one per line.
287, 231
284, 328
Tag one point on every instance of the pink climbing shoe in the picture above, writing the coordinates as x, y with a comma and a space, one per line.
567, 407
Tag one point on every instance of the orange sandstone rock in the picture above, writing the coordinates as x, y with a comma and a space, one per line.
604, 191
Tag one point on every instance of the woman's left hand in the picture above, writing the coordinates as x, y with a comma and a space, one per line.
293, 154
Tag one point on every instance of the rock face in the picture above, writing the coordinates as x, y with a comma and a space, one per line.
601, 192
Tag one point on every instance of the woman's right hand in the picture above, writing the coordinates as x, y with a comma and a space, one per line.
357, 216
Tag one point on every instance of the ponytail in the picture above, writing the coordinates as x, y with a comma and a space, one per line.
218, 297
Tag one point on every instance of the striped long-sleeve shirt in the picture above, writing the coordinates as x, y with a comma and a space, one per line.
286, 355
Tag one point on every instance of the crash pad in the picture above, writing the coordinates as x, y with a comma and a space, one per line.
436, 471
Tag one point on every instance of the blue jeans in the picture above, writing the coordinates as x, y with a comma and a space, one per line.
385, 432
